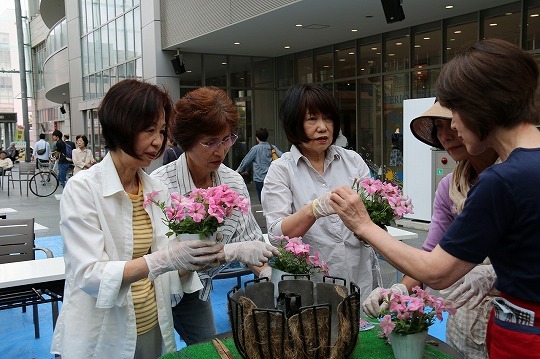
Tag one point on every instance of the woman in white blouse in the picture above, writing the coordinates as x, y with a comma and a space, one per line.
297, 186
82, 156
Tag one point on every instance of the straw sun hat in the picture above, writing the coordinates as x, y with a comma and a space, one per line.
423, 127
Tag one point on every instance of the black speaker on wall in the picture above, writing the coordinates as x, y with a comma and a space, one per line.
63, 110
178, 65
393, 11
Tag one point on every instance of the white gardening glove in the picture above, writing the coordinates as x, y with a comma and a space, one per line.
266, 271
190, 255
470, 290
375, 302
321, 206
252, 253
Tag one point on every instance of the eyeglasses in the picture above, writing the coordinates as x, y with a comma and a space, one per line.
227, 142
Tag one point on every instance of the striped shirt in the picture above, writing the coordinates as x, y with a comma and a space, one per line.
237, 228
142, 291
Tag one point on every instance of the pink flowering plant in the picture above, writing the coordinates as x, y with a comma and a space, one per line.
384, 201
295, 257
409, 314
202, 211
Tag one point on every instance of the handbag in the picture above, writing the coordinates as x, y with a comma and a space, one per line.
274, 153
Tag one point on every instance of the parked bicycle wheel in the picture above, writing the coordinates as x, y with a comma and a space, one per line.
43, 183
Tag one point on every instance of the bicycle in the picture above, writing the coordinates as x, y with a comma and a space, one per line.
45, 181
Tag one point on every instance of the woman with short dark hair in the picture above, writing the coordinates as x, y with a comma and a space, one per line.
82, 156
297, 186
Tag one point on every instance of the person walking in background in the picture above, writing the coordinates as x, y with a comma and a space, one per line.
61, 159
260, 156
120, 266
82, 156
466, 329
42, 151
70, 143
490, 88
204, 125
172, 152
297, 186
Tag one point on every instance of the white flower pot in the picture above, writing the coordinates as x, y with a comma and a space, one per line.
191, 236
409, 346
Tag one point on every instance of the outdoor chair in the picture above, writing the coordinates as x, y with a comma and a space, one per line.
25, 172
16, 245
5, 173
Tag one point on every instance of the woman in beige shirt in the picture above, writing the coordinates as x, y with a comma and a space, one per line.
82, 157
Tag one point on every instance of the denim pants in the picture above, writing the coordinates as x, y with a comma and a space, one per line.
62, 172
194, 319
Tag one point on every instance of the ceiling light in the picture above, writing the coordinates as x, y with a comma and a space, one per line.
416, 46
399, 43
354, 30
493, 24
326, 66
391, 54
351, 53
377, 53
452, 39
448, 48
449, 6
341, 60
508, 13
534, 15
457, 32
224, 63
362, 69
298, 25
237, 43
287, 47
427, 38
373, 48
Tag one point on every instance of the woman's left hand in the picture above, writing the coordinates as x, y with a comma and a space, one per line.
350, 208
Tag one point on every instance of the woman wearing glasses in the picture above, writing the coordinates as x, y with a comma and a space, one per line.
297, 186
204, 127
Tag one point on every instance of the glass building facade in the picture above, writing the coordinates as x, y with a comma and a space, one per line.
369, 77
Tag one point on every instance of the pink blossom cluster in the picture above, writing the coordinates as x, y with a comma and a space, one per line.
297, 254
413, 313
201, 205
378, 191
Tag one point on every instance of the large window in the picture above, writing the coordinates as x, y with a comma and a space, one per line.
111, 44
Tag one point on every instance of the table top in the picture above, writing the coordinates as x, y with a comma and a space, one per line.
368, 346
8, 210
401, 234
397, 233
39, 227
31, 272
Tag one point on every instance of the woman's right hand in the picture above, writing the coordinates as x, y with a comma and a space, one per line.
350, 208
190, 255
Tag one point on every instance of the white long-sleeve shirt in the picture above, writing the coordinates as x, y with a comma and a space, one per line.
292, 182
97, 319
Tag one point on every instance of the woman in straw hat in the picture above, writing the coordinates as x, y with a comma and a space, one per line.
490, 89
433, 129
